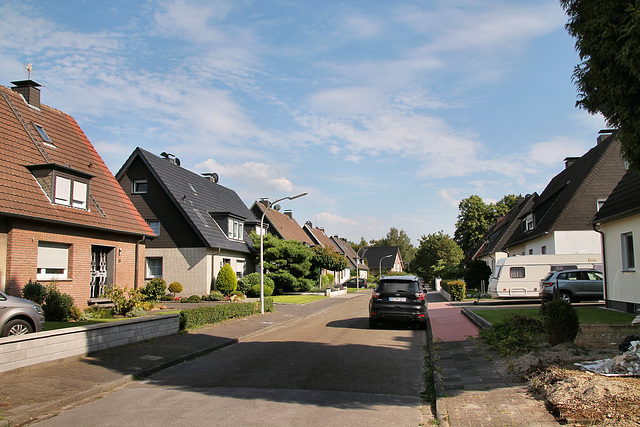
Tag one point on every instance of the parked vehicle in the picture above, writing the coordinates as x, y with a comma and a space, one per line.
351, 283
520, 276
573, 285
19, 316
398, 298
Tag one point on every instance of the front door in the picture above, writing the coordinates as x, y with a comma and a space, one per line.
101, 269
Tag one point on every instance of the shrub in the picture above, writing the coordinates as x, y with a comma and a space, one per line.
57, 305
167, 298
327, 280
212, 314
136, 312
175, 288
226, 282
192, 299
155, 289
237, 293
97, 312
519, 334
254, 292
214, 296
124, 299
34, 291
560, 321
457, 289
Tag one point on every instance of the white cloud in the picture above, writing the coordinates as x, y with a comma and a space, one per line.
347, 101
260, 177
359, 26
451, 196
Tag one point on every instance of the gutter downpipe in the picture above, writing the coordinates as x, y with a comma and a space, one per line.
137, 261
604, 263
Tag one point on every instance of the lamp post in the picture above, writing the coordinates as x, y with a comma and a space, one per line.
357, 268
267, 207
380, 265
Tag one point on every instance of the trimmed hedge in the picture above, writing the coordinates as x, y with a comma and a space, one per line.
206, 315
456, 288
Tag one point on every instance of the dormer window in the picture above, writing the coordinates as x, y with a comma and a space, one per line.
230, 224
63, 185
43, 134
140, 186
528, 223
236, 229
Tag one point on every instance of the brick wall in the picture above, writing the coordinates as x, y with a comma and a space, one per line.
22, 256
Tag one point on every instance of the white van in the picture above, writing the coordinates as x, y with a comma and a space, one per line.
520, 276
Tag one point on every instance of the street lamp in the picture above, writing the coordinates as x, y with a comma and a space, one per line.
380, 266
357, 268
267, 207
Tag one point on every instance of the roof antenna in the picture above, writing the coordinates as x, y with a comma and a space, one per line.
29, 68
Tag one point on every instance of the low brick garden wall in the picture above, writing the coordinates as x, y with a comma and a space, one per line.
25, 350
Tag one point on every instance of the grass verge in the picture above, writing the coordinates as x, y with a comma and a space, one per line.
296, 299
586, 315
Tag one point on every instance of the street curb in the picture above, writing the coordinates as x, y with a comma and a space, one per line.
41, 411
476, 320
440, 406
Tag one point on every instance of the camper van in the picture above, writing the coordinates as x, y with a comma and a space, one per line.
520, 276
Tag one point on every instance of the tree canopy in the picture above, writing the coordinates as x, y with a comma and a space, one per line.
287, 262
608, 77
476, 216
438, 255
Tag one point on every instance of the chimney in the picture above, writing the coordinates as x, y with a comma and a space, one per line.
604, 134
568, 161
211, 176
29, 91
289, 214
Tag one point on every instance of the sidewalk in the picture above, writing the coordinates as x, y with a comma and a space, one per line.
473, 387
37, 390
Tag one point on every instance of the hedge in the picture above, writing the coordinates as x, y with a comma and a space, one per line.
456, 288
201, 316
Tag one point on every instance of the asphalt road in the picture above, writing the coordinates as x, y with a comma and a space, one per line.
327, 369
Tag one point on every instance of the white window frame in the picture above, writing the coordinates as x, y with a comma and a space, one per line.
628, 252
79, 195
137, 183
70, 192
149, 269
62, 191
236, 229
53, 261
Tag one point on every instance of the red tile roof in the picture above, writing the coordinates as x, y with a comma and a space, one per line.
286, 226
21, 195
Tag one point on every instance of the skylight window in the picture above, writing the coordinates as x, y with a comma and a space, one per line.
193, 189
43, 134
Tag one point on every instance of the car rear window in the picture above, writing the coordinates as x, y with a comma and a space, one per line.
400, 286
548, 277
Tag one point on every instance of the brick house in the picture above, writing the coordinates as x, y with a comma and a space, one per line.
63, 216
199, 224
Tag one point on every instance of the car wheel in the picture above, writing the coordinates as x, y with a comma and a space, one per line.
565, 296
373, 323
16, 327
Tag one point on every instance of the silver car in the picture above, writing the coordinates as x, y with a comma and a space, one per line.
19, 316
573, 285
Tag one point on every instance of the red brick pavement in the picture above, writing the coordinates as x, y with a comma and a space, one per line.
449, 324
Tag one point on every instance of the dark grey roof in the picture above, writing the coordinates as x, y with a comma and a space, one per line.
209, 198
500, 232
623, 201
569, 200
374, 254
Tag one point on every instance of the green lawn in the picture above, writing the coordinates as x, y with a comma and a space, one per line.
296, 299
586, 315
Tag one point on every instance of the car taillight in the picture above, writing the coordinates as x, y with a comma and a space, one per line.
547, 284
420, 296
375, 294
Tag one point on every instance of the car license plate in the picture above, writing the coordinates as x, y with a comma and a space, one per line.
397, 299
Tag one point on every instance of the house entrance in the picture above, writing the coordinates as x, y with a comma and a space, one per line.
102, 269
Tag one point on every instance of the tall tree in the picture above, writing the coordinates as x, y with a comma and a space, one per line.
437, 255
472, 223
398, 238
608, 77
476, 216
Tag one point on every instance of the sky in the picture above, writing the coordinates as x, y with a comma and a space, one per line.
387, 113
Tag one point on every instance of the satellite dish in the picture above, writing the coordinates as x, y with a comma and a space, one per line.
177, 161
276, 207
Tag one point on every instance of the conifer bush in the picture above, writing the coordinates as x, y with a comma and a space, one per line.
226, 282
560, 321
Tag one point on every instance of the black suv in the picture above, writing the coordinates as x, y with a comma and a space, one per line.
398, 298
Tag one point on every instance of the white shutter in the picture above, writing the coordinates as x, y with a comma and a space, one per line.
79, 194
63, 190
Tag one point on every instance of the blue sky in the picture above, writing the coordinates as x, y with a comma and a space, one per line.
387, 113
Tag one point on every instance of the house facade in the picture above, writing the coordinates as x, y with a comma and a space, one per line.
559, 222
619, 222
385, 259
63, 217
199, 225
355, 262
319, 238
